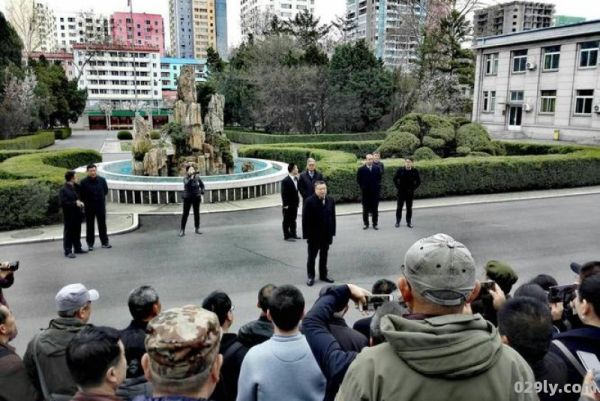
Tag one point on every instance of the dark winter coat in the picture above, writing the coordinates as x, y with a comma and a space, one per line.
93, 193
15, 384
289, 192
256, 332
306, 184
233, 355
192, 187
407, 181
318, 220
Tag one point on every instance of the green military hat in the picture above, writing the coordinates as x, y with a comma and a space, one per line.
502, 274
183, 342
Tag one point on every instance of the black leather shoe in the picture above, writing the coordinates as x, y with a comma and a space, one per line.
90, 248
70, 256
397, 225
310, 282
81, 251
409, 225
365, 227
375, 228
197, 231
106, 246
290, 239
181, 233
295, 237
327, 280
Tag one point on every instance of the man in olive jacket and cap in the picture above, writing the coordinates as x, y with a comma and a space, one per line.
438, 352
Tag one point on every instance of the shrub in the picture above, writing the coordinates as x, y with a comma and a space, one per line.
155, 135
140, 149
36, 141
425, 153
459, 121
479, 154
30, 195
256, 138
399, 144
359, 149
474, 136
62, 133
463, 151
432, 121
124, 136
447, 134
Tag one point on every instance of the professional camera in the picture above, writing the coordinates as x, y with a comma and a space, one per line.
562, 293
9, 266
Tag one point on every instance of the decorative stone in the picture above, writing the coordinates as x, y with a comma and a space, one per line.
186, 87
138, 167
155, 163
215, 116
247, 167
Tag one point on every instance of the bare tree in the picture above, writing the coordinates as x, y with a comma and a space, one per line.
21, 14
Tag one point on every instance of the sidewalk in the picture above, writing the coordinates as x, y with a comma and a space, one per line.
122, 219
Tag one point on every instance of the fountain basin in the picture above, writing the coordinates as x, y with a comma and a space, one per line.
123, 187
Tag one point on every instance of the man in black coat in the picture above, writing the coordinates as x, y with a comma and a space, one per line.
72, 214
308, 178
290, 201
93, 193
378, 163
406, 180
318, 228
368, 178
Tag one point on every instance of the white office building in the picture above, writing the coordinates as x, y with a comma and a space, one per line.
80, 27
255, 14
531, 84
111, 76
46, 27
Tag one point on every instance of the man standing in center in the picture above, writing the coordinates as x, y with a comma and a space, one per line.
308, 178
72, 209
368, 177
93, 194
318, 228
290, 201
406, 180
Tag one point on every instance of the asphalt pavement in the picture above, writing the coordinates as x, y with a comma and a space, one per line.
239, 252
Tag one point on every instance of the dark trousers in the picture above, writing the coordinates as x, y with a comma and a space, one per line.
402, 199
313, 249
289, 221
370, 205
187, 204
72, 235
90, 216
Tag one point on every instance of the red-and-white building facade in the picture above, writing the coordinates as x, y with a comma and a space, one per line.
138, 29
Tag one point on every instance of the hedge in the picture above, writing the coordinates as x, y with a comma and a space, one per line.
124, 135
37, 141
256, 138
30, 194
358, 149
454, 176
60, 133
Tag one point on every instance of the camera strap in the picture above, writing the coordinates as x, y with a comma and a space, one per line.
576, 364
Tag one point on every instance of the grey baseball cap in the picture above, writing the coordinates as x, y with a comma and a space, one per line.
74, 296
440, 269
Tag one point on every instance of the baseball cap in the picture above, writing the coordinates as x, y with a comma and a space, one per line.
183, 342
502, 273
440, 269
74, 296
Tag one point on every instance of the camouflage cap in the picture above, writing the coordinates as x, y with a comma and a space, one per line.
183, 342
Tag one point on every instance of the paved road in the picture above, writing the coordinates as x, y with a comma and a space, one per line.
239, 252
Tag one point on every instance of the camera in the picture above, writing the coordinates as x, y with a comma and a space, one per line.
10, 266
562, 293
486, 286
375, 301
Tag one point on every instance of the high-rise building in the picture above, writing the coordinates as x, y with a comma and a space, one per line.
515, 16
255, 14
46, 27
192, 27
560, 20
221, 26
80, 27
390, 27
141, 30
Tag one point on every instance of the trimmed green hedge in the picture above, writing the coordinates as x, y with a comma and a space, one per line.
30, 184
60, 133
564, 166
124, 136
257, 138
37, 141
358, 149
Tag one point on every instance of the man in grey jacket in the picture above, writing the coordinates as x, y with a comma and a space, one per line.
284, 366
74, 307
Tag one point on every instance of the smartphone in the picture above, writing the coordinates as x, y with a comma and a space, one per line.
375, 301
486, 286
589, 361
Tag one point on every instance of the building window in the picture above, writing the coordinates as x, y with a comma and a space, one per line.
588, 56
583, 101
551, 58
489, 101
548, 99
491, 64
517, 96
519, 61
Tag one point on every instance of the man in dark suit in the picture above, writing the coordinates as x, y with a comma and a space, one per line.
93, 193
406, 180
290, 201
378, 163
72, 208
308, 178
318, 228
368, 178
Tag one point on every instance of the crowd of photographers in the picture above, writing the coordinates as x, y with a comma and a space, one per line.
437, 333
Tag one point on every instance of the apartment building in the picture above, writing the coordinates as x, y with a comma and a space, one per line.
170, 69
139, 29
515, 16
255, 14
533, 83
80, 27
192, 24
45, 25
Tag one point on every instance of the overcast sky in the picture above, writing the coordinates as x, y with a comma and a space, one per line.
325, 9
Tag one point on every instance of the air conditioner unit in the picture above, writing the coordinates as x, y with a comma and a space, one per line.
527, 107
531, 66
597, 108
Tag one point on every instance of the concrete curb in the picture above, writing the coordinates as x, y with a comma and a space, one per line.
134, 226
